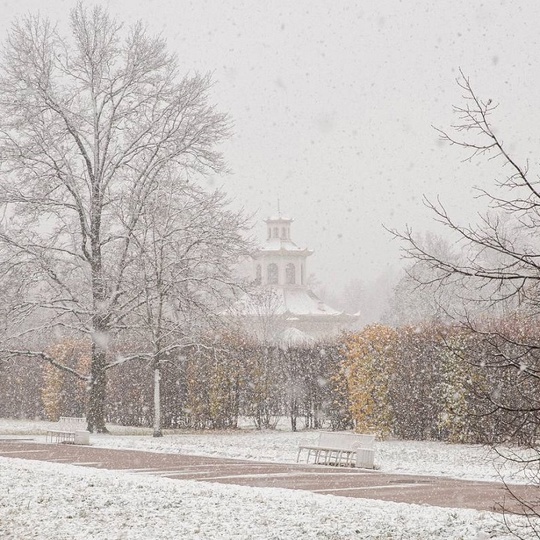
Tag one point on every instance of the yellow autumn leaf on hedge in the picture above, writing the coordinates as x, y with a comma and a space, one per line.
368, 365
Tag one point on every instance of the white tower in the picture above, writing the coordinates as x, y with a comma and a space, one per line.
279, 262
280, 265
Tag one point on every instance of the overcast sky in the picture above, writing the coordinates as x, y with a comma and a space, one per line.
333, 105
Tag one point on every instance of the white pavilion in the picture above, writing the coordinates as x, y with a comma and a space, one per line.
280, 270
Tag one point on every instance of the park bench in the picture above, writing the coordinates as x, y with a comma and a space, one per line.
70, 430
345, 449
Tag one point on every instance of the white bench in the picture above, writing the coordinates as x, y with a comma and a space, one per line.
70, 430
341, 449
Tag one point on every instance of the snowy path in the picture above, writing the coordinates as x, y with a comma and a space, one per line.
57, 500
471, 462
349, 482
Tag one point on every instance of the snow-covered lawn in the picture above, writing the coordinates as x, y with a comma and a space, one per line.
58, 501
50, 500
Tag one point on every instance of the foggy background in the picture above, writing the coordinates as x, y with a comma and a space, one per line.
333, 106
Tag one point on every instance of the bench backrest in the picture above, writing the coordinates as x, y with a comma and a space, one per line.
71, 423
345, 441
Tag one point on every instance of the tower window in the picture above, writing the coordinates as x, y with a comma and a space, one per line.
290, 274
276, 232
258, 275
272, 271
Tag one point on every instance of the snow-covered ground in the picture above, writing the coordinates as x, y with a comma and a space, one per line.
58, 501
473, 462
51, 500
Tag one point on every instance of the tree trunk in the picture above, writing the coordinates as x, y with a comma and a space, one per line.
157, 402
293, 421
97, 391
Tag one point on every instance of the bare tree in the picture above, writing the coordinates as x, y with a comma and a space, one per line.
500, 252
498, 268
188, 243
418, 298
259, 313
88, 123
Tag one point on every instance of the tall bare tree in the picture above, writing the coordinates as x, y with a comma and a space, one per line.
188, 243
88, 122
498, 267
